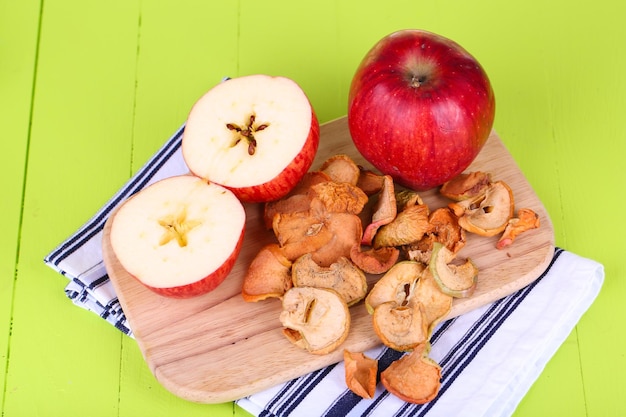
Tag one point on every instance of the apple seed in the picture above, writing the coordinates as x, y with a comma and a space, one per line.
247, 133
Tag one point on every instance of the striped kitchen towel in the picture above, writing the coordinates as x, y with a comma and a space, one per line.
79, 257
490, 356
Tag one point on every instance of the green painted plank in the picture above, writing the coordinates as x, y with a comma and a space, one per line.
185, 48
294, 40
560, 103
575, 78
19, 22
64, 360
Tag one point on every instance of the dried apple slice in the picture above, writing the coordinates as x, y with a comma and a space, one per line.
395, 285
342, 276
345, 230
407, 198
398, 316
302, 232
437, 305
341, 168
444, 228
459, 281
374, 260
385, 210
328, 235
401, 326
339, 197
467, 185
360, 373
268, 276
526, 220
408, 227
316, 319
298, 200
487, 214
369, 181
414, 378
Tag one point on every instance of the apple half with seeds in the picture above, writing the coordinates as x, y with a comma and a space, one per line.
180, 236
256, 135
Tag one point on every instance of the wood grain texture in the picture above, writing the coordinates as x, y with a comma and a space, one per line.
216, 347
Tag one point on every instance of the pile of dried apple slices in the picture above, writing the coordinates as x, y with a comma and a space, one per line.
248, 139
343, 221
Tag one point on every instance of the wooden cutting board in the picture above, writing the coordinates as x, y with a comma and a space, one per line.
217, 348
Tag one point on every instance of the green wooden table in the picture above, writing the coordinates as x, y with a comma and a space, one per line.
89, 90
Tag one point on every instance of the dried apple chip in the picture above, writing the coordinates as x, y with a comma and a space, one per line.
437, 305
444, 228
342, 276
408, 198
316, 319
341, 168
375, 260
408, 227
414, 378
360, 373
297, 200
395, 285
340, 197
302, 232
345, 230
398, 316
487, 214
369, 181
456, 280
401, 326
466, 185
385, 210
526, 220
268, 276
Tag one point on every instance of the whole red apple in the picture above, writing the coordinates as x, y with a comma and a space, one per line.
420, 108
256, 135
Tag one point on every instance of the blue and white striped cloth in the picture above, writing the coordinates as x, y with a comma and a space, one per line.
490, 357
79, 257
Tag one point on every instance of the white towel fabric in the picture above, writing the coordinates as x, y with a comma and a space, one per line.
490, 357
79, 257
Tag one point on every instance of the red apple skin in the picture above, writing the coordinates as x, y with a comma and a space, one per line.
206, 284
422, 135
284, 182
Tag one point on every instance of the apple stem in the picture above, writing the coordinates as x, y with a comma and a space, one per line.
416, 81
247, 133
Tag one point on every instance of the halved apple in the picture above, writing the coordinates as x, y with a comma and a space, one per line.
256, 135
180, 236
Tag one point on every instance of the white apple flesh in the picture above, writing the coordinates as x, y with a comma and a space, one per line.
180, 236
257, 135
